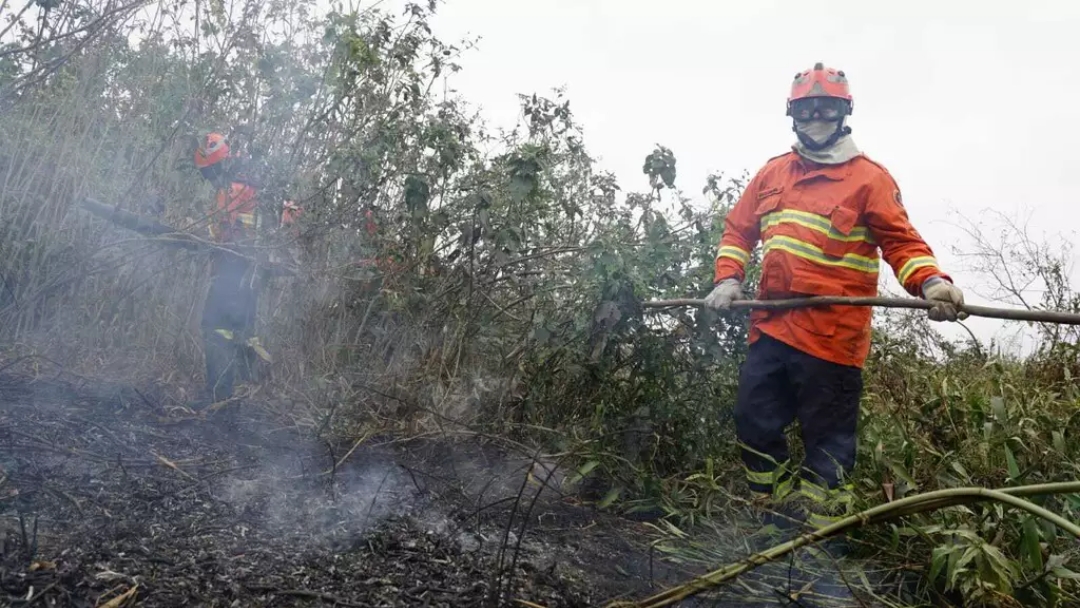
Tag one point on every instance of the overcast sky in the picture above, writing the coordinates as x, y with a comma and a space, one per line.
970, 105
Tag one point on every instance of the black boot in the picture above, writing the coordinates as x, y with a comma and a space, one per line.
780, 521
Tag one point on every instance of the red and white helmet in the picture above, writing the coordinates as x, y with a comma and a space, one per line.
820, 88
211, 151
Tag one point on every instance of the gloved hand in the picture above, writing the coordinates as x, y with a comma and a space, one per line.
724, 293
947, 299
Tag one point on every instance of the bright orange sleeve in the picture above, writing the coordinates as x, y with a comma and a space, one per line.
741, 234
902, 247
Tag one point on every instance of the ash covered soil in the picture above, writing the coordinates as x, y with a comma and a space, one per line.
106, 496
109, 499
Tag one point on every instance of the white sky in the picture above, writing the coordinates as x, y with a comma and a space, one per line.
970, 105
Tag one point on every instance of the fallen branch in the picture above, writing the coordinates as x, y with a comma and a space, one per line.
929, 501
1038, 316
173, 237
126, 219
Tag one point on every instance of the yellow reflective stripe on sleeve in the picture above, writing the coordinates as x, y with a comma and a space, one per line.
820, 223
914, 264
730, 251
815, 254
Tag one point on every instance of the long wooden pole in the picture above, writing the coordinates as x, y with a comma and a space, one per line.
1012, 314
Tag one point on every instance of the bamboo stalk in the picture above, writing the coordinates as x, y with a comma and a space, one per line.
912, 504
1038, 316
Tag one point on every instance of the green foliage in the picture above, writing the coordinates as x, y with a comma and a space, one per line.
499, 288
971, 421
519, 269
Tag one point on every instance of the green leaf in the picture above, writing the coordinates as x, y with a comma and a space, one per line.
1003, 569
937, 560
1049, 529
582, 471
610, 497
960, 470
958, 566
1061, 572
1010, 459
902, 474
1073, 500
588, 467
1029, 542
521, 186
1059, 441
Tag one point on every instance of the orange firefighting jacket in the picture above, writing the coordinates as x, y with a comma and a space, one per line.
234, 213
821, 228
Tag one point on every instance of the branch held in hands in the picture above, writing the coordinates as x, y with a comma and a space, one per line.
1037, 316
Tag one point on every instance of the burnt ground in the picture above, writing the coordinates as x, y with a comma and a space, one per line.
107, 500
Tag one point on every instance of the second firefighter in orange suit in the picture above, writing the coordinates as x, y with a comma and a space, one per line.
228, 317
825, 215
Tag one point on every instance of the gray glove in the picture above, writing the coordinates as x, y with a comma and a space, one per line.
724, 294
947, 298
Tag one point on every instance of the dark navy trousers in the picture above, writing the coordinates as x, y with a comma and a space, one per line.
230, 307
779, 384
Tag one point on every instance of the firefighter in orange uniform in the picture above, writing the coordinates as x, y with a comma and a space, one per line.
228, 317
289, 221
822, 213
290, 213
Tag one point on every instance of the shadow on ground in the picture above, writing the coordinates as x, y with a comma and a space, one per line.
105, 497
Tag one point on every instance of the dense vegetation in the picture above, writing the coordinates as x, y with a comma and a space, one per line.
506, 298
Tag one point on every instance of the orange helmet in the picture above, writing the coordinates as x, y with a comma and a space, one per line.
212, 150
827, 87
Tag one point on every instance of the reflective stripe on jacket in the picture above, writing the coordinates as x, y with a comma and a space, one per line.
823, 230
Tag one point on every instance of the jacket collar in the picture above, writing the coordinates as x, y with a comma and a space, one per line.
811, 170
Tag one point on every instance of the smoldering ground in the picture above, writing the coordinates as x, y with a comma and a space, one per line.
104, 493
111, 497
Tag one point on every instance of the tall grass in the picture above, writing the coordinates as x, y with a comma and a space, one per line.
507, 297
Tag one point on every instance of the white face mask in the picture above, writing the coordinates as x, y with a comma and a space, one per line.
843, 150
818, 130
